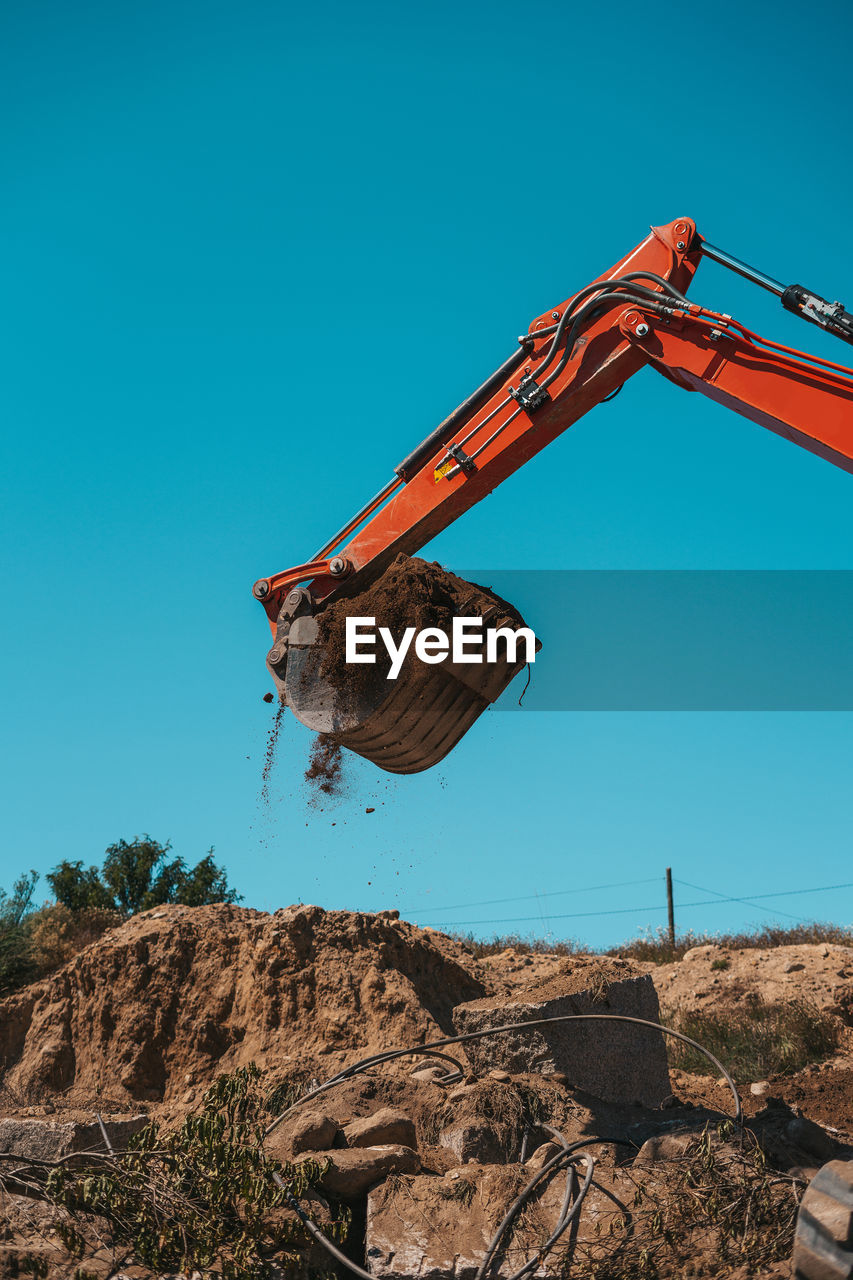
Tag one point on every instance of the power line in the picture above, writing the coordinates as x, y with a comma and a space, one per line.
573, 915
530, 897
746, 901
626, 911
792, 893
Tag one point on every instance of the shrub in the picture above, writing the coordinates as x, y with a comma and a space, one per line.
756, 1039
199, 1198
58, 933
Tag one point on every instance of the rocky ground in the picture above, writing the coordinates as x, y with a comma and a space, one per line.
426, 1155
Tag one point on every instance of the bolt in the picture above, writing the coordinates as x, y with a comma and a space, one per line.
681, 245
641, 330
275, 654
338, 566
294, 597
261, 589
681, 227
555, 315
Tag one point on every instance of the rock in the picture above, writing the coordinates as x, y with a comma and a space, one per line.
543, 1154
383, 1128
759, 1088
664, 1146
355, 1170
308, 1131
439, 1228
503, 1077
617, 1062
476, 1140
810, 1137
432, 1075
48, 1140
793, 967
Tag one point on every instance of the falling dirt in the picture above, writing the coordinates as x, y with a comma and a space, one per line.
269, 754
325, 771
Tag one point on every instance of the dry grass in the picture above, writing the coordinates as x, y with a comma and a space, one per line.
718, 1210
757, 1039
655, 945
480, 947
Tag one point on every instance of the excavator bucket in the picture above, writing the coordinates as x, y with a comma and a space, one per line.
403, 725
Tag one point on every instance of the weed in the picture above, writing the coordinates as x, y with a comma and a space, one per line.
480, 947
717, 1210
655, 945
461, 1190
757, 1039
199, 1198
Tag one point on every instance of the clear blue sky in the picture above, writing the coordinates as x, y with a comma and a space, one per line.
252, 253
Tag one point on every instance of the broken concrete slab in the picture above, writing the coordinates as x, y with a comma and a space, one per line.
617, 1062
50, 1140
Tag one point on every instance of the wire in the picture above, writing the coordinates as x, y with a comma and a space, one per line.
626, 911
551, 893
746, 901
792, 893
571, 915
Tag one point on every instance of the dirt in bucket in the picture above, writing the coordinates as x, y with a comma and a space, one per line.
411, 593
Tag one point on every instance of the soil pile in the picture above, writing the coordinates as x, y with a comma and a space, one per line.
159, 1006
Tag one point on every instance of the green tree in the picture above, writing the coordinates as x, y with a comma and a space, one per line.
78, 889
137, 875
17, 966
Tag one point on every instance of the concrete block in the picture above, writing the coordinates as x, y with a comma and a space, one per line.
617, 1062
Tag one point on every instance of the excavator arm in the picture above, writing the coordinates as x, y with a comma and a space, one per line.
573, 357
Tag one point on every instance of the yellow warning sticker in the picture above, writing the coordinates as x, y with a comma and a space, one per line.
441, 472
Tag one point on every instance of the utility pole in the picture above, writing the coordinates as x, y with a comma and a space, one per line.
670, 908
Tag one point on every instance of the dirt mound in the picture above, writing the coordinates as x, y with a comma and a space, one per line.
157, 1007
821, 973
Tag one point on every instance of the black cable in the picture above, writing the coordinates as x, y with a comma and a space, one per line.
594, 308
651, 275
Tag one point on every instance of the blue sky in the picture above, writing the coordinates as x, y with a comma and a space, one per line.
252, 254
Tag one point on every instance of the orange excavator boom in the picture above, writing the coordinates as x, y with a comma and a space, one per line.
575, 356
